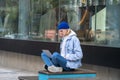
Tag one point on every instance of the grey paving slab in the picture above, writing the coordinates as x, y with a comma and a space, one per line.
13, 74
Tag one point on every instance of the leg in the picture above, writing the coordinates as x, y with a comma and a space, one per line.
49, 64
58, 60
46, 59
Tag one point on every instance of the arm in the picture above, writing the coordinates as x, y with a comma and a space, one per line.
76, 52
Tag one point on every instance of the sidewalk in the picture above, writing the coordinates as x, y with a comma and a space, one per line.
12, 74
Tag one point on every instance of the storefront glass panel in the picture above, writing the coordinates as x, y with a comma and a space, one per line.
96, 22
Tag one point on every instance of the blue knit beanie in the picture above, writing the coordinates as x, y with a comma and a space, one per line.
63, 25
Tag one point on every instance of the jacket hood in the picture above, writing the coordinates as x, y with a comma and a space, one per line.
72, 33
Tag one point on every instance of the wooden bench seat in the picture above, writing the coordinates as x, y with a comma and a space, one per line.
45, 75
81, 73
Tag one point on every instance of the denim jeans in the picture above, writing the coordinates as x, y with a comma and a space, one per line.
56, 60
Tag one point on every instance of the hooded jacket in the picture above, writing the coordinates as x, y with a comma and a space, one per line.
71, 50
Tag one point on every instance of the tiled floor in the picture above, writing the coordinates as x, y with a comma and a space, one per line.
12, 74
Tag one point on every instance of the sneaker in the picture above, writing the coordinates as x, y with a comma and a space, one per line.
55, 69
45, 67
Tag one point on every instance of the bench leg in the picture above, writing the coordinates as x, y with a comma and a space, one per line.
43, 77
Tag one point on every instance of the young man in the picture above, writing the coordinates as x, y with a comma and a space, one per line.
70, 52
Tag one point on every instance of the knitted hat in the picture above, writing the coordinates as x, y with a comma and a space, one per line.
63, 25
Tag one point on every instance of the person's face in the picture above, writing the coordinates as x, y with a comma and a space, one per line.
62, 32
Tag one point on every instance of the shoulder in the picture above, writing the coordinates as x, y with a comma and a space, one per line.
74, 39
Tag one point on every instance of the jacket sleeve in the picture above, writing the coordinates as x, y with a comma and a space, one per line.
76, 53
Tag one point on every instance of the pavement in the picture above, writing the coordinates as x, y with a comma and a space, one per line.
13, 74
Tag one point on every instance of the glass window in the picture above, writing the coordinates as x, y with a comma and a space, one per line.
8, 18
113, 23
96, 22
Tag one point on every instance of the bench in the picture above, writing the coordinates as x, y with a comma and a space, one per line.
28, 77
81, 73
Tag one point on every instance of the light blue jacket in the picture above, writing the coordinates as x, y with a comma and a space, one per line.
73, 51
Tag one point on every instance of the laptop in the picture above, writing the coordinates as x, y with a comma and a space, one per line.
47, 52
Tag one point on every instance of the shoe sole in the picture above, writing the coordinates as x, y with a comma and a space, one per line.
51, 69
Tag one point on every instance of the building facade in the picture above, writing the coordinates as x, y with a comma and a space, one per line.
28, 26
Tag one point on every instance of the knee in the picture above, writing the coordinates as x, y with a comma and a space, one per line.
55, 54
43, 54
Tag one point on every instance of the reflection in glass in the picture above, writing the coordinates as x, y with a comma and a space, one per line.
96, 22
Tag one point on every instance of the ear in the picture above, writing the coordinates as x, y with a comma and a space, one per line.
68, 31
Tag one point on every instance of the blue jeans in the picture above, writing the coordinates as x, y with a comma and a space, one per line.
56, 60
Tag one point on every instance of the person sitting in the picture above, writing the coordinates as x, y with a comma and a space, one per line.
70, 55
